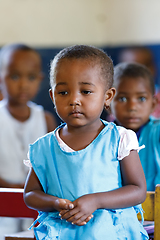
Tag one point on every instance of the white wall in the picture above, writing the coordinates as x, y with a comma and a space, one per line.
133, 21
57, 23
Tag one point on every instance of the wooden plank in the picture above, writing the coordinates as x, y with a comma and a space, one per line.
148, 207
25, 235
157, 213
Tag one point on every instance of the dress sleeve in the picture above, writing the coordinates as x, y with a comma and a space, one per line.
27, 162
128, 142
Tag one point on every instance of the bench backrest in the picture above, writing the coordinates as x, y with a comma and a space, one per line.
12, 204
151, 207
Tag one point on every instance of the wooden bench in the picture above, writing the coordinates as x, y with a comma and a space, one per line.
12, 205
151, 207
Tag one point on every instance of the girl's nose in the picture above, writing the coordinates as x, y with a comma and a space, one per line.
74, 99
132, 105
23, 83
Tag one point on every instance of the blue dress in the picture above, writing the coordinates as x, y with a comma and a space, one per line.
150, 155
72, 174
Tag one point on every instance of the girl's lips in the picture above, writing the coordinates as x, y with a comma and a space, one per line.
75, 113
133, 120
23, 96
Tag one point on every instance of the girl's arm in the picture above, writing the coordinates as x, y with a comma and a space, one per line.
132, 193
35, 197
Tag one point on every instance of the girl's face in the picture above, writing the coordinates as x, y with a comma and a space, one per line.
21, 76
79, 93
133, 102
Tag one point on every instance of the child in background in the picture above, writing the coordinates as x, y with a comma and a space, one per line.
21, 121
143, 55
132, 106
86, 176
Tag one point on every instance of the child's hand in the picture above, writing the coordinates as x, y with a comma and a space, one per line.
63, 204
82, 211
79, 224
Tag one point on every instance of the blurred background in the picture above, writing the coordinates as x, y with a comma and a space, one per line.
50, 25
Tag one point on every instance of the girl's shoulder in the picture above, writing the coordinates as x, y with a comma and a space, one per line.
128, 141
154, 129
121, 130
151, 129
154, 122
126, 132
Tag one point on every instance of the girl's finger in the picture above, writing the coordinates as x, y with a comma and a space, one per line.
81, 220
68, 214
89, 218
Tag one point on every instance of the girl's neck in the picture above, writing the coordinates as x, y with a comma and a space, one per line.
19, 112
80, 138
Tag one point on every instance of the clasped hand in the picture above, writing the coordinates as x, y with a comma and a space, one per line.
78, 212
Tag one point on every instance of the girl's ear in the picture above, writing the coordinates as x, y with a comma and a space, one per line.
109, 96
51, 95
154, 103
41, 76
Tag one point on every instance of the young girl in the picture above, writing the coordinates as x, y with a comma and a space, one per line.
21, 121
132, 106
86, 175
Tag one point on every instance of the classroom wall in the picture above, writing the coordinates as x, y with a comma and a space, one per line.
57, 23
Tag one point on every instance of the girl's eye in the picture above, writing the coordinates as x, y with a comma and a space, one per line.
14, 77
63, 93
142, 99
86, 92
122, 99
32, 77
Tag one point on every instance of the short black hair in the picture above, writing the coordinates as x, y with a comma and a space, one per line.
86, 52
133, 70
13, 47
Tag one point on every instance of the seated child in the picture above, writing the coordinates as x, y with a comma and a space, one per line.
143, 55
21, 121
86, 178
132, 107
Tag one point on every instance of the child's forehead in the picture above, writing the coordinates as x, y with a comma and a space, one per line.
77, 66
78, 70
89, 62
82, 65
25, 53
137, 82
21, 56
